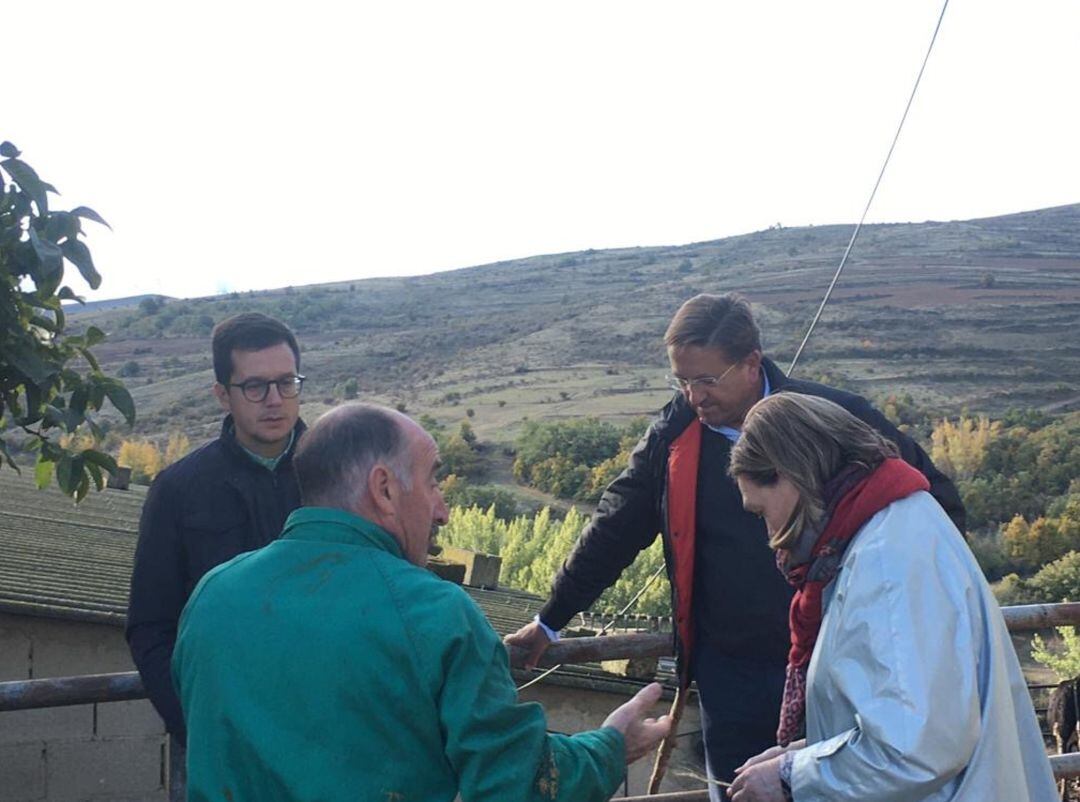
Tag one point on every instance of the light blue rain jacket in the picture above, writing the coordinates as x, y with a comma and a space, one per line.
914, 692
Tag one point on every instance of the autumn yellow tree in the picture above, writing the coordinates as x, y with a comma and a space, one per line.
960, 448
177, 447
144, 459
1032, 545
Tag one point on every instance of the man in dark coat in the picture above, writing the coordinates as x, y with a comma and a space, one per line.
729, 601
230, 496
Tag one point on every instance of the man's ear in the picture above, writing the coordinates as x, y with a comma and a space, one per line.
221, 393
382, 490
753, 359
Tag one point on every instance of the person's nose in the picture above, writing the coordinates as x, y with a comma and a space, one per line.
442, 512
273, 396
695, 394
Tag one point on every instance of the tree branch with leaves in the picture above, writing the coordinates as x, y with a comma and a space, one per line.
50, 382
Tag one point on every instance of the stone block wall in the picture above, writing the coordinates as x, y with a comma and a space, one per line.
86, 753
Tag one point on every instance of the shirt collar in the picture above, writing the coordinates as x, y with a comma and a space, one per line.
338, 526
733, 434
270, 463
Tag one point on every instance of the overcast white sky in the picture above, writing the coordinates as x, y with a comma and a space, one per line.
237, 145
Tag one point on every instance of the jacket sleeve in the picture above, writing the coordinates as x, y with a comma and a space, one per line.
903, 651
626, 521
156, 600
498, 747
941, 486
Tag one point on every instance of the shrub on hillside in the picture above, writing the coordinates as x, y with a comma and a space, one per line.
575, 459
1057, 581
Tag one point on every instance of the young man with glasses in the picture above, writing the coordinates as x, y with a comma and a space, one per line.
729, 601
230, 496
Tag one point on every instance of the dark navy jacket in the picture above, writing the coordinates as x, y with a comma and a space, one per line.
201, 511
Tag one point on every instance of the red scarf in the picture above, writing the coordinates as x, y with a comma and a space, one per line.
891, 481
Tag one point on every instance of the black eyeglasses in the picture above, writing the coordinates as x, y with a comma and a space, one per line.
256, 390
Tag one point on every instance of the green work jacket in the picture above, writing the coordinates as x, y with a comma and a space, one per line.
324, 666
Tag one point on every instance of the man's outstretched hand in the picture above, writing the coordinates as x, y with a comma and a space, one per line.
640, 732
532, 639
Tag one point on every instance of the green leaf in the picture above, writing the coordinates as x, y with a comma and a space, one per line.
66, 475
79, 255
91, 360
44, 323
95, 474
62, 225
7, 455
50, 451
94, 335
100, 459
23, 175
121, 399
22, 357
55, 417
9, 151
48, 253
43, 472
90, 214
95, 430
67, 294
97, 391
83, 487
78, 400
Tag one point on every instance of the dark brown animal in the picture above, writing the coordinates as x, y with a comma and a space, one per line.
1063, 718
1063, 715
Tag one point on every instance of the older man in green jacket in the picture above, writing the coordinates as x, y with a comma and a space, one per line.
331, 665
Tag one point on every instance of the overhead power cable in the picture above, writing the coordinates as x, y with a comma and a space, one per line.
873, 192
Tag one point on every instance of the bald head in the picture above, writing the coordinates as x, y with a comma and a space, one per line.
336, 455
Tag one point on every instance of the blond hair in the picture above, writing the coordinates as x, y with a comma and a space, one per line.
807, 440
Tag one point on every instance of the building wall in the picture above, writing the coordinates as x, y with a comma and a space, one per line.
116, 751
112, 751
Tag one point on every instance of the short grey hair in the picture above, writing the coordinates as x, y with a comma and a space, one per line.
808, 440
335, 456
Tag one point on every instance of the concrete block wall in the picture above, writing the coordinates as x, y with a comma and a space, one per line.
87, 753
116, 751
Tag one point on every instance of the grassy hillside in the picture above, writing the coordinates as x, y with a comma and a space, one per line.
980, 314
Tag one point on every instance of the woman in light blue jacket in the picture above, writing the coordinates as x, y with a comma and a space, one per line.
902, 683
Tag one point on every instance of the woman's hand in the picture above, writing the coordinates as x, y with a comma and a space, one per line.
758, 780
768, 754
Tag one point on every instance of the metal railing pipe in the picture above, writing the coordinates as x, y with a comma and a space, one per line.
1026, 617
61, 691
591, 650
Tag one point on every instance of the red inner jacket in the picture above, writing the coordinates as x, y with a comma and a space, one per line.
683, 459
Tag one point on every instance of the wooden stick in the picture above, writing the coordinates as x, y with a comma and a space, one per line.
663, 754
